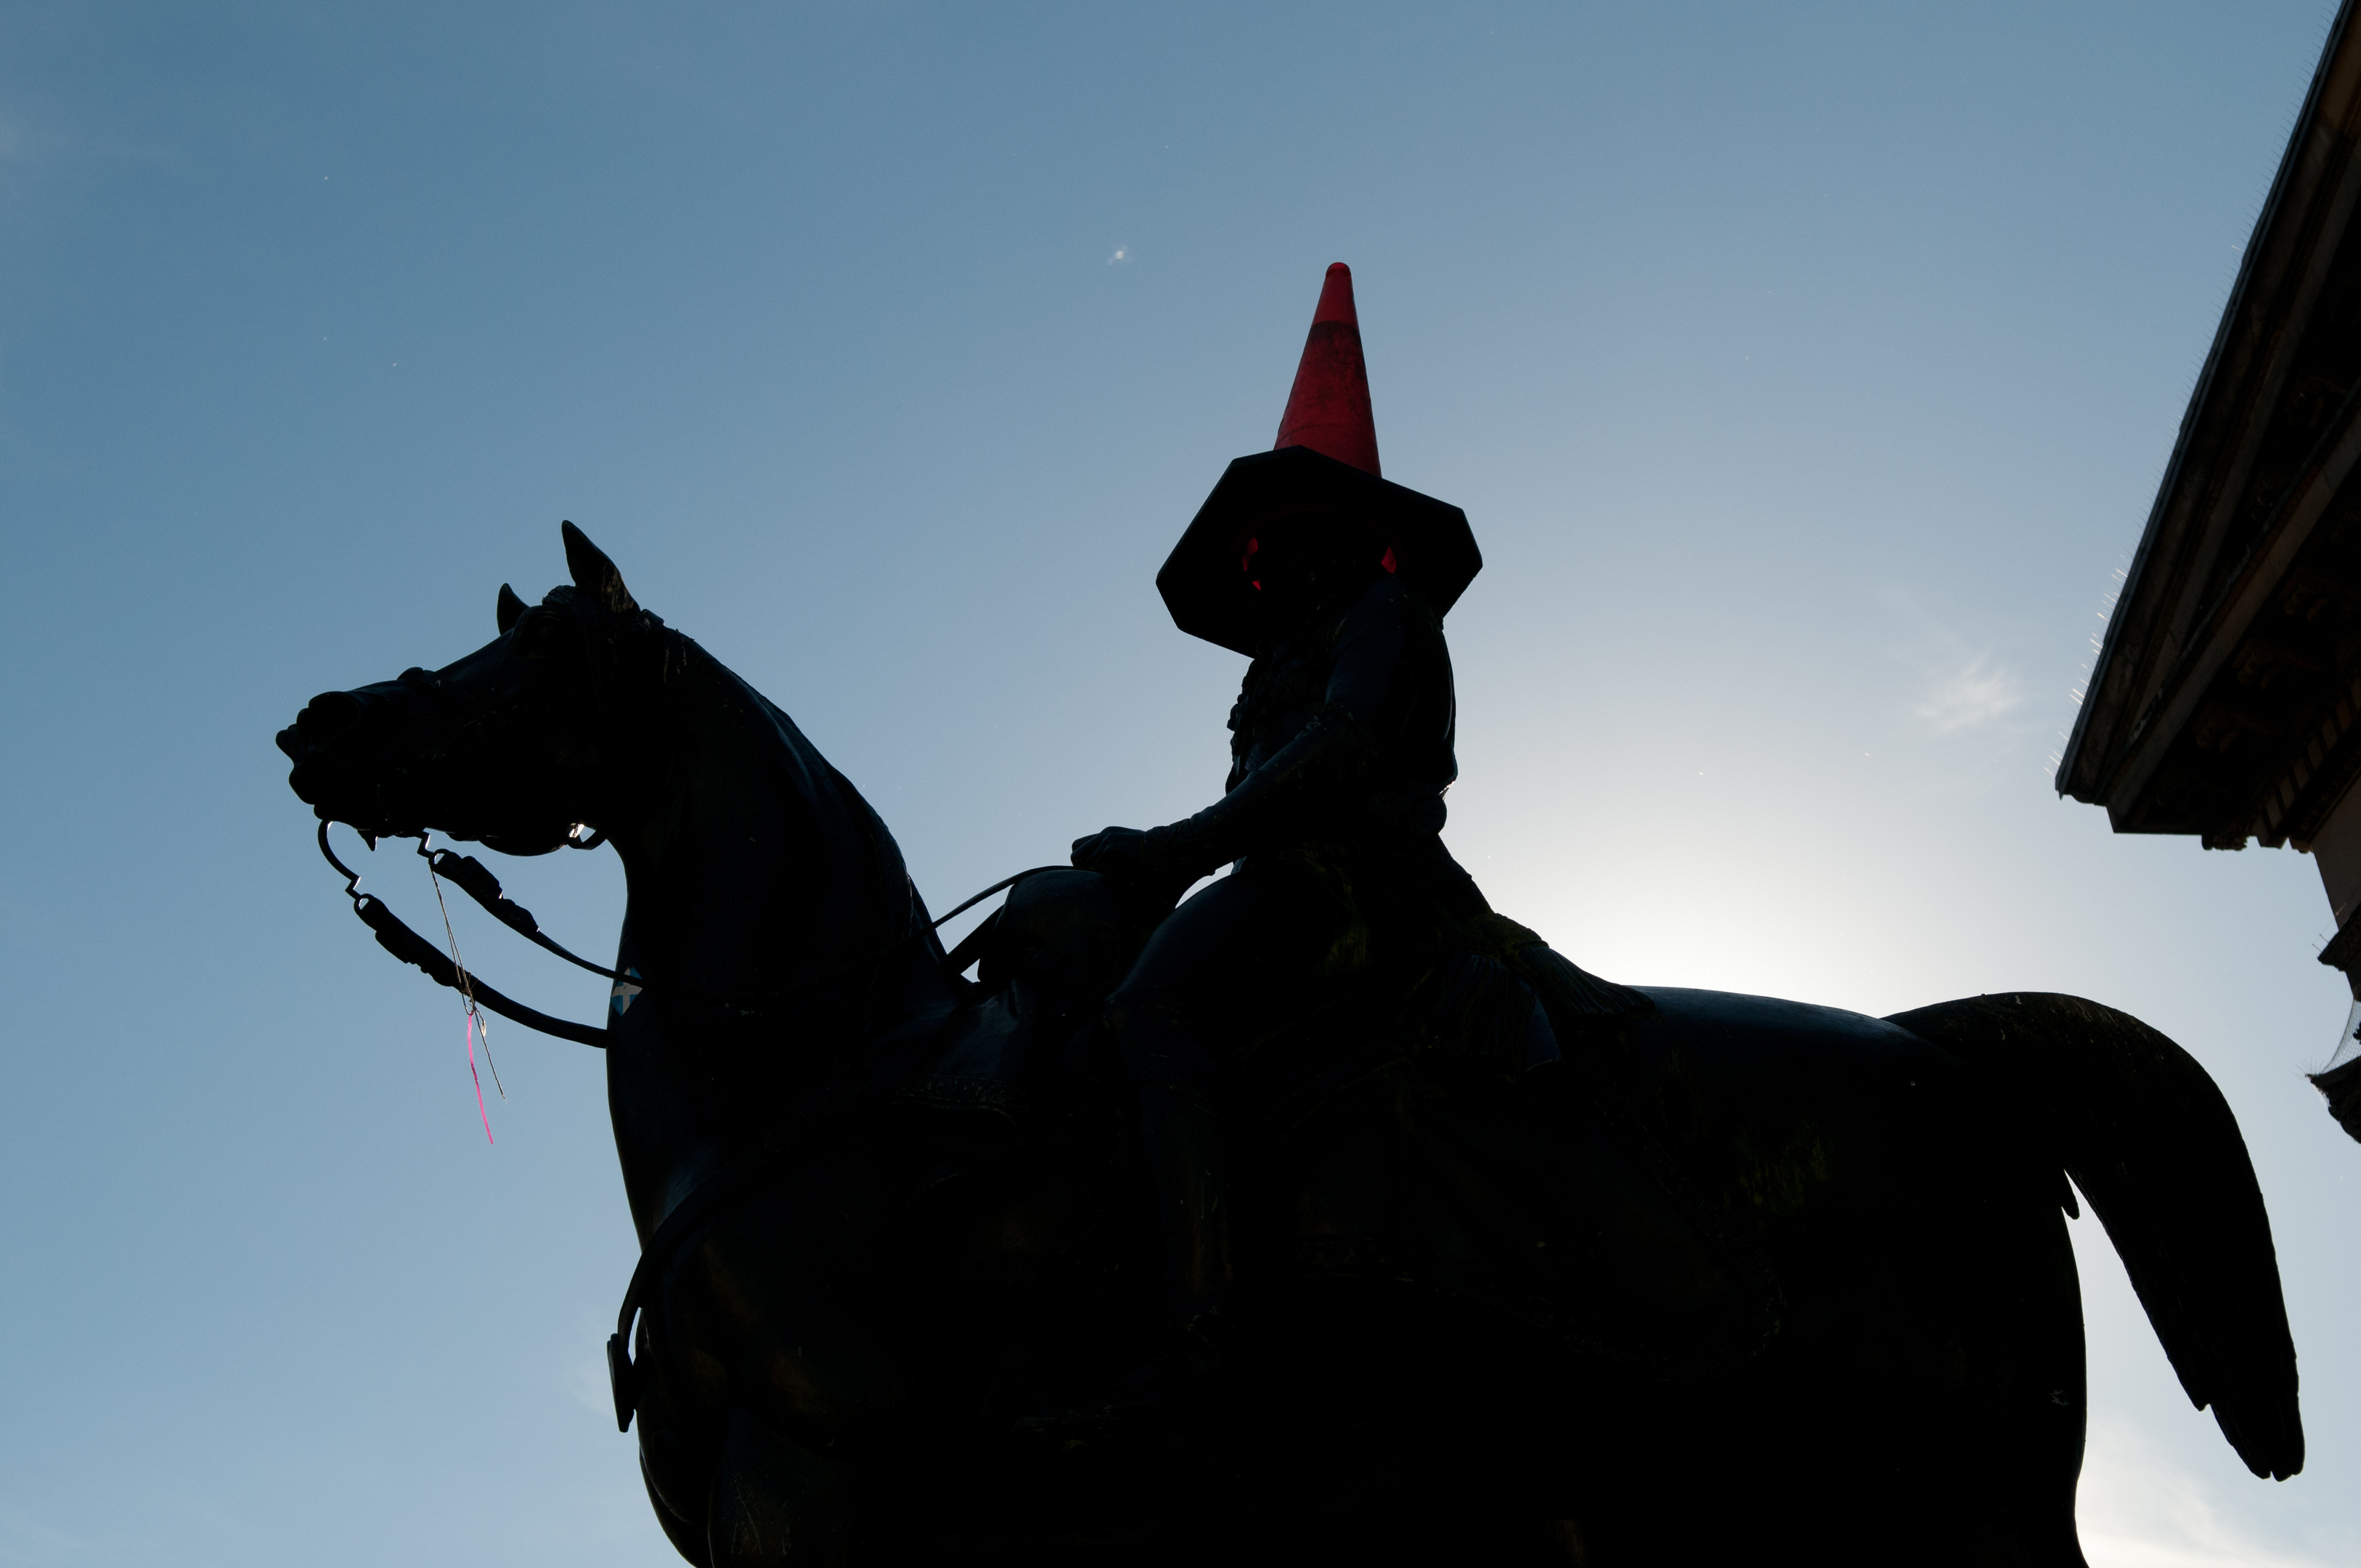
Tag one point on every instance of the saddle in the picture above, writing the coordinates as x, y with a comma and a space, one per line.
1470, 1132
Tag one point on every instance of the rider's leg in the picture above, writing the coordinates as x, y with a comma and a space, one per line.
1180, 1126
1184, 979
1186, 973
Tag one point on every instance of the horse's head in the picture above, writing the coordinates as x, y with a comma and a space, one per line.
510, 745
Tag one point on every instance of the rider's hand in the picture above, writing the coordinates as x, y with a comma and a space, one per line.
1116, 852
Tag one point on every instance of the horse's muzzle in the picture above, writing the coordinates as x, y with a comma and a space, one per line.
337, 786
323, 718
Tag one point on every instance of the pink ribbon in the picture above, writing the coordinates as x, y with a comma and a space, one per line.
471, 1073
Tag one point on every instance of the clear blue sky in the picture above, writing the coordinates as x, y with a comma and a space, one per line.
1806, 370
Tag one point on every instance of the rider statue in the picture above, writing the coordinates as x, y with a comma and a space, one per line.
1335, 582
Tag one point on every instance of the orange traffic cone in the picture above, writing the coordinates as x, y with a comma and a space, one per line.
1328, 409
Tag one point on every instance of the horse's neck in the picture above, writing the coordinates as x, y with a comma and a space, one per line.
749, 865
756, 874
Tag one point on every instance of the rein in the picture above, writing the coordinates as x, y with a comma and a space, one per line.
475, 879
413, 948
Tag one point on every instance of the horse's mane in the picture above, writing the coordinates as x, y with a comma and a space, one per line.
637, 658
636, 642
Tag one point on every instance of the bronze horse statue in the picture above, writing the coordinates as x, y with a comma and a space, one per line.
1738, 1278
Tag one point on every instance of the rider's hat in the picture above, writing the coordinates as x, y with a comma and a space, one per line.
1325, 462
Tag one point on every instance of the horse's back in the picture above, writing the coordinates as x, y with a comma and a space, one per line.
1803, 1116
1842, 1143
1787, 1048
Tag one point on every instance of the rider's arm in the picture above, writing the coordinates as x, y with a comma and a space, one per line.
1326, 762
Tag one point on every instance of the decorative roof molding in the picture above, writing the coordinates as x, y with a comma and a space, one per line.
2211, 707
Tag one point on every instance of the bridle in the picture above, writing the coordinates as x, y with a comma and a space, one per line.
475, 879
471, 875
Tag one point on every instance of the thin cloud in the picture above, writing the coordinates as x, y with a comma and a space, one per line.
1971, 693
1963, 683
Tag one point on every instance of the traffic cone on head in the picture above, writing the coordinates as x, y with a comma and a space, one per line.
1325, 461
1328, 409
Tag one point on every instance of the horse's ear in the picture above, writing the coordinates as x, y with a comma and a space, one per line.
508, 609
594, 573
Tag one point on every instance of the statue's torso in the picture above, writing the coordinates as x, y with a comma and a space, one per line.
1380, 657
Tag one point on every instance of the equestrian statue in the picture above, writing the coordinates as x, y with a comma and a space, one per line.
1327, 1212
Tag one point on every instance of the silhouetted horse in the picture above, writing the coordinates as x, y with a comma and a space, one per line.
1743, 1279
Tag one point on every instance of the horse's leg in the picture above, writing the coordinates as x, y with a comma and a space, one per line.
2036, 1449
1982, 1419
776, 1500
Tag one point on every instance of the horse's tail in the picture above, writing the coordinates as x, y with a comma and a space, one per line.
2149, 1140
